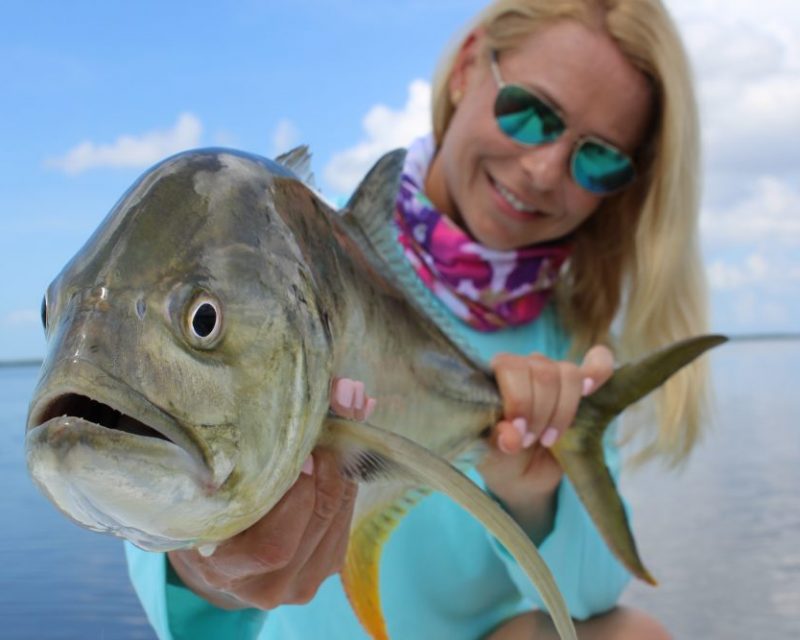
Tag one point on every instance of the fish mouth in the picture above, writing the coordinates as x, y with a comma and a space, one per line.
75, 405
123, 412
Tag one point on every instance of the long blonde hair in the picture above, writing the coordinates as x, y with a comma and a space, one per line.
640, 252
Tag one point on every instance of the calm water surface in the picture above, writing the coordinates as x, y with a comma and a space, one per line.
723, 537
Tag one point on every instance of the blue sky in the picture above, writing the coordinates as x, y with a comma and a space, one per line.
94, 93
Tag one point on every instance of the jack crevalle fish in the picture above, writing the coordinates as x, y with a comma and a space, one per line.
192, 343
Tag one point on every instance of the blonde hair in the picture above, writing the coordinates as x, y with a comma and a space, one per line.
640, 252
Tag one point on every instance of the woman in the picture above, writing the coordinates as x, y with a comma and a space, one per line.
564, 146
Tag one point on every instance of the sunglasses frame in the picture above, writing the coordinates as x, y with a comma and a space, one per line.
579, 143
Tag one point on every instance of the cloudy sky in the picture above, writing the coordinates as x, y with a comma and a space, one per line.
94, 93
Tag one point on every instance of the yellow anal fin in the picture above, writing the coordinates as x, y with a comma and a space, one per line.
360, 575
370, 453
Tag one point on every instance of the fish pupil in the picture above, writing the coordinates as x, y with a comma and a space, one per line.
204, 320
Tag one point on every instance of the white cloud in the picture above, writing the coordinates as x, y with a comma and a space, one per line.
747, 61
769, 213
753, 270
746, 57
285, 137
385, 130
22, 318
132, 151
748, 310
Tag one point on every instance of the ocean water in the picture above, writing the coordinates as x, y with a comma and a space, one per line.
722, 537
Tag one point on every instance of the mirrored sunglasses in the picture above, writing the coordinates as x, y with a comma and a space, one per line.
529, 119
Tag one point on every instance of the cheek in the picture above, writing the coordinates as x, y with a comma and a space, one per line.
580, 204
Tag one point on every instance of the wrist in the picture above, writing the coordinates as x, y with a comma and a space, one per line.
534, 513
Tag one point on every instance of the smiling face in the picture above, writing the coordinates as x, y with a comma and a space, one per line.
507, 195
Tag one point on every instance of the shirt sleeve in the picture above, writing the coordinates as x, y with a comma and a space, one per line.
175, 612
590, 578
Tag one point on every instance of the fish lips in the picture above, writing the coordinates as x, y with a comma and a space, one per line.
71, 414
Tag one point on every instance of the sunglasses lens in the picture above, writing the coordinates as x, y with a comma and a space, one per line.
524, 117
600, 168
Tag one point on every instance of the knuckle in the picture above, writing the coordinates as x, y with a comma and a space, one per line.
272, 555
507, 363
267, 598
304, 593
571, 372
215, 580
328, 499
544, 372
349, 493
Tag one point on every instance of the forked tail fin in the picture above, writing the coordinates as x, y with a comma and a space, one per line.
580, 449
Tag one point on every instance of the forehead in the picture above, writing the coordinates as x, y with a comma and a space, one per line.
585, 74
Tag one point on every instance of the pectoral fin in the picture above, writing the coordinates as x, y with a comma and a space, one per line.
580, 449
370, 453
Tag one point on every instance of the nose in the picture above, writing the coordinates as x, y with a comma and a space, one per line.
547, 165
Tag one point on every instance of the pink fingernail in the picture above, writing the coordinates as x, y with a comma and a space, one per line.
549, 437
528, 440
588, 385
371, 403
521, 425
358, 395
308, 466
344, 393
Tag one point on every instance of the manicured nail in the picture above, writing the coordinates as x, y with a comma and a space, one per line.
549, 437
308, 466
371, 403
521, 425
528, 440
344, 393
588, 385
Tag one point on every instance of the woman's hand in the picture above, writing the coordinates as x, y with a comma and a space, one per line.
284, 557
540, 399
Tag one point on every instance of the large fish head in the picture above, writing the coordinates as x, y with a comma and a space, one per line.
187, 368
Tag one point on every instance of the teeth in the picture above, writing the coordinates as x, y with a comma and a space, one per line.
513, 200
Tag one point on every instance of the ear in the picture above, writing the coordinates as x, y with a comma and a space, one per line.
465, 63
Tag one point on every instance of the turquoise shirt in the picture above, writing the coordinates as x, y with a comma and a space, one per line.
442, 574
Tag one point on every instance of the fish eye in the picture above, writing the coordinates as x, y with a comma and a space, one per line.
204, 321
44, 311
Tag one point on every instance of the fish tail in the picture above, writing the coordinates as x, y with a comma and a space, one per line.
580, 450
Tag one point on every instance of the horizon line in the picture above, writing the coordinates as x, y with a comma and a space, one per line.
741, 337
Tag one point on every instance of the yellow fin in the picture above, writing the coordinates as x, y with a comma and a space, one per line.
360, 575
372, 453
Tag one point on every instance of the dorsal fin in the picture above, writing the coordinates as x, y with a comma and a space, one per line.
367, 217
298, 161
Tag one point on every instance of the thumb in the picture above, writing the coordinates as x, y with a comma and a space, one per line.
597, 367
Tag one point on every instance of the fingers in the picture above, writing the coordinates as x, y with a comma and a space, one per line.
328, 557
349, 399
597, 366
541, 396
313, 560
272, 542
284, 557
